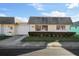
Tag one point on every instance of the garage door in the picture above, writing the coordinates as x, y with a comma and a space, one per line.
22, 29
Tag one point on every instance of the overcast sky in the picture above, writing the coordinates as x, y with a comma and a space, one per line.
25, 10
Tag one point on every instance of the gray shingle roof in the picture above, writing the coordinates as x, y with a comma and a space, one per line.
49, 20
7, 20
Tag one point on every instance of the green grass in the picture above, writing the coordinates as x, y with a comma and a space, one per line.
74, 38
3, 37
37, 39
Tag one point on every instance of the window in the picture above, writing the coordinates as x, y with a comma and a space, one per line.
11, 28
60, 27
63, 27
32, 26
41, 27
37, 27
9, 32
44, 27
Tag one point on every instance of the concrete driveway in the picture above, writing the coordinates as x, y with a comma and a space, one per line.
53, 51
12, 41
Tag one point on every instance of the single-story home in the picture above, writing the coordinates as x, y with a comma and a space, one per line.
49, 26
11, 26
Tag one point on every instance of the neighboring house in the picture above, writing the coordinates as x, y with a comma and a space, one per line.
50, 26
75, 27
11, 26
7, 26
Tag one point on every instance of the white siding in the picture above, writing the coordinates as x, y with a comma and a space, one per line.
32, 27
50, 27
8, 30
68, 27
53, 28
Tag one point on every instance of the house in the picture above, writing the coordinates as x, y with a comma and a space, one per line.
49, 26
75, 27
11, 26
7, 26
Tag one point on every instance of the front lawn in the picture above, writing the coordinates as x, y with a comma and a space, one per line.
2, 37
74, 38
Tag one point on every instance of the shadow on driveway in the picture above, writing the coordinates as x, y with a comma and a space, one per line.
73, 47
15, 52
74, 51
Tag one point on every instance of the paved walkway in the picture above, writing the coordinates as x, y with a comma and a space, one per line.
53, 49
50, 51
12, 41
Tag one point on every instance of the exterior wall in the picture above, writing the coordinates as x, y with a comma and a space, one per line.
50, 27
32, 27
9, 29
53, 28
67, 27
6, 30
17, 29
22, 29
